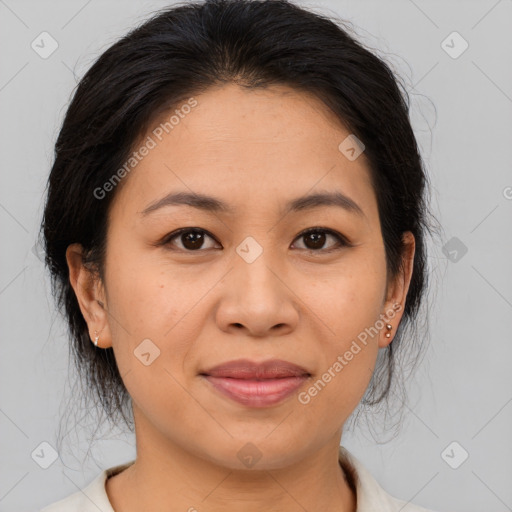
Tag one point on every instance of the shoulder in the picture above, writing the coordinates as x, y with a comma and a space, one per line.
91, 498
370, 495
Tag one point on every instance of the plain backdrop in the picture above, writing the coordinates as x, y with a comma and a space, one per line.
454, 452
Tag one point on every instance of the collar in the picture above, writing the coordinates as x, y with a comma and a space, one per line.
370, 495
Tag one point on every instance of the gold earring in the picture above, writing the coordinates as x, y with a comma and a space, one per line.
96, 338
388, 327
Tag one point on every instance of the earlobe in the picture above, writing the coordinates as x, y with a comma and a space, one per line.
90, 295
391, 319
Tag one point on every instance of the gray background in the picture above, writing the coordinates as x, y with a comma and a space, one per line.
462, 116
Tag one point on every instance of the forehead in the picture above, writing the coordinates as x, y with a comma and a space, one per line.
249, 147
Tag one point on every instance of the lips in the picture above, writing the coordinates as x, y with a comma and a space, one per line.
256, 384
245, 369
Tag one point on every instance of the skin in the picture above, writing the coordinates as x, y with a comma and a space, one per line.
254, 150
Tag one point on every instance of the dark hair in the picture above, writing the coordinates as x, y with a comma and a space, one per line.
182, 51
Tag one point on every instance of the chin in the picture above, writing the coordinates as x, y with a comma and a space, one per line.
254, 453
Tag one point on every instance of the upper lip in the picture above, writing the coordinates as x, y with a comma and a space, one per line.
246, 369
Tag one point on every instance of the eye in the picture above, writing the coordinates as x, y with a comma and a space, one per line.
191, 239
315, 238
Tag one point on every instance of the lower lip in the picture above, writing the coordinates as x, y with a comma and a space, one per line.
257, 393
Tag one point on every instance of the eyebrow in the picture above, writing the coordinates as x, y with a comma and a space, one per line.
212, 204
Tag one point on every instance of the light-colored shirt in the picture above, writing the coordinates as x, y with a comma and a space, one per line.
370, 496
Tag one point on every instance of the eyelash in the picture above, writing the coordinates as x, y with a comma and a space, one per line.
342, 241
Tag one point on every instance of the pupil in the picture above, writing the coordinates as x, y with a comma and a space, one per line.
317, 238
192, 240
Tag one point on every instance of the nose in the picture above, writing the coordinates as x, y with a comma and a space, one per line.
258, 299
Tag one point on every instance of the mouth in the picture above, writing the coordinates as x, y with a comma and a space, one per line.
256, 384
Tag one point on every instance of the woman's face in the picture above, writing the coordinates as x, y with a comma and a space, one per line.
247, 285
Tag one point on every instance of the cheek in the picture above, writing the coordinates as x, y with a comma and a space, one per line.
341, 382
142, 307
349, 297
143, 296
349, 305
162, 402
152, 335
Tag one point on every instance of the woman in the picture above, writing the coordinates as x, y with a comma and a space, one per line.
235, 227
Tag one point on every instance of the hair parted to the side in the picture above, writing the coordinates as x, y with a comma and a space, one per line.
182, 51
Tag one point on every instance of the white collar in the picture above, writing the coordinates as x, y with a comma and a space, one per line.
371, 497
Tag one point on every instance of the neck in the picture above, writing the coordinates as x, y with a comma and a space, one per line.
176, 479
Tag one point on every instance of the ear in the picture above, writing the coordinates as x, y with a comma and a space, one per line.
397, 291
90, 294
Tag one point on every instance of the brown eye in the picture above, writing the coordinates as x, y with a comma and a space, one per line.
195, 239
190, 239
316, 238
